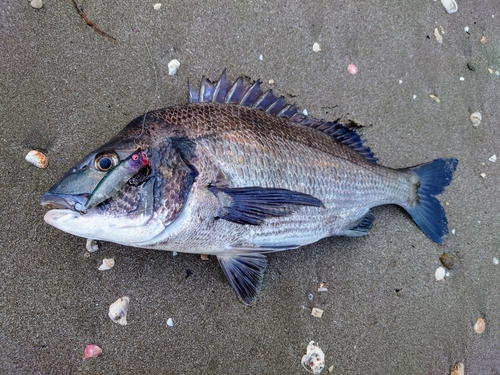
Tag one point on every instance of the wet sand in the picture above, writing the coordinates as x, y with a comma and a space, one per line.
65, 89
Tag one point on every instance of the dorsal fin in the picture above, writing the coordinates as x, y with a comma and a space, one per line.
252, 96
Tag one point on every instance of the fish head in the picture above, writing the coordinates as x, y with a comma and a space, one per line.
145, 205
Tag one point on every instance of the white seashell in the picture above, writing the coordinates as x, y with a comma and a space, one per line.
352, 69
483, 175
450, 5
438, 36
261, 57
118, 311
493, 158
316, 47
170, 322
476, 118
495, 261
37, 159
440, 273
173, 65
304, 112
107, 263
480, 325
91, 245
157, 6
314, 360
92, 351
36, 4
317, 313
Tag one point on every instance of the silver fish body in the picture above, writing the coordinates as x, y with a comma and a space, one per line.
238, 173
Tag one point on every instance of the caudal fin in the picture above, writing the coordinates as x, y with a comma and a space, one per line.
426, 210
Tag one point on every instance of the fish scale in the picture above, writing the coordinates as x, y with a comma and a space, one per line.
239, 172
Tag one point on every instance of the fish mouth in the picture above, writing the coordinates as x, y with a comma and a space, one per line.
74, 202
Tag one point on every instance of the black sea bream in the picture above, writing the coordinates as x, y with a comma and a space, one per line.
237, 173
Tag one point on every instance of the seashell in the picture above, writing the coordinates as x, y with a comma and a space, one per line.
157, 6
173, 65
118, 311
352, 69
480, 325
476, 118
459, 369
317, 313
170, 322
37, 4
316, 47
484, 40
493, 158
483, 175
91, 245
440, 273
92, 351
495, 261
447, 260
314, 360
37, 159
107, 263
450, 5
438, 36
322, 287
205, 257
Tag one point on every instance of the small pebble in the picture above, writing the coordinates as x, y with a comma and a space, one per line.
170, 322
205, 257
480, 325
450, 6
440, 273
173, 66
37, 4
317, 313
118, 310
352, 69
37, 158
316, 47
466, 29
493, 158
462, 79
447, 260
92, 351
310, 296
157, 6
476, 118
484, 40
314, 359
174, 253
495, 261
107, 263
271, 82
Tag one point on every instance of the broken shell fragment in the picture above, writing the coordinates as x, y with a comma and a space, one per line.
317, 313
432, 96
173, 65
352, 69
440, 273
450, 6
480, 325
484, 40
493, 158
438, 36
314, 360
170, 322
476, 118
316, 47
37, 159
459, 369
205, 257
118, 311
107, 263
91, 245
322, 287
92, 351
157, 6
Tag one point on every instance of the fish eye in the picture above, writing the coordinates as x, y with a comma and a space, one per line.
106, 161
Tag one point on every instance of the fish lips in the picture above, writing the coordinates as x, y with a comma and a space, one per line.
74, 202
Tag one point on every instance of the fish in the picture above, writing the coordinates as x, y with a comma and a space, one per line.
238, 172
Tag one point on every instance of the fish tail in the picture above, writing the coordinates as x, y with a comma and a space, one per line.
430, 180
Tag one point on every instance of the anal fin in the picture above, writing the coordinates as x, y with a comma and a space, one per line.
363, 227
245, 273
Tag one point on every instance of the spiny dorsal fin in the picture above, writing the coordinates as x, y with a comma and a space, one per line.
252, 96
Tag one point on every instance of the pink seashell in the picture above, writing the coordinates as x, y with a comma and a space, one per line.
92, 351
352, 69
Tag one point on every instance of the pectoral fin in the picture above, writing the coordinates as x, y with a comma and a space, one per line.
251, 205
245, 273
